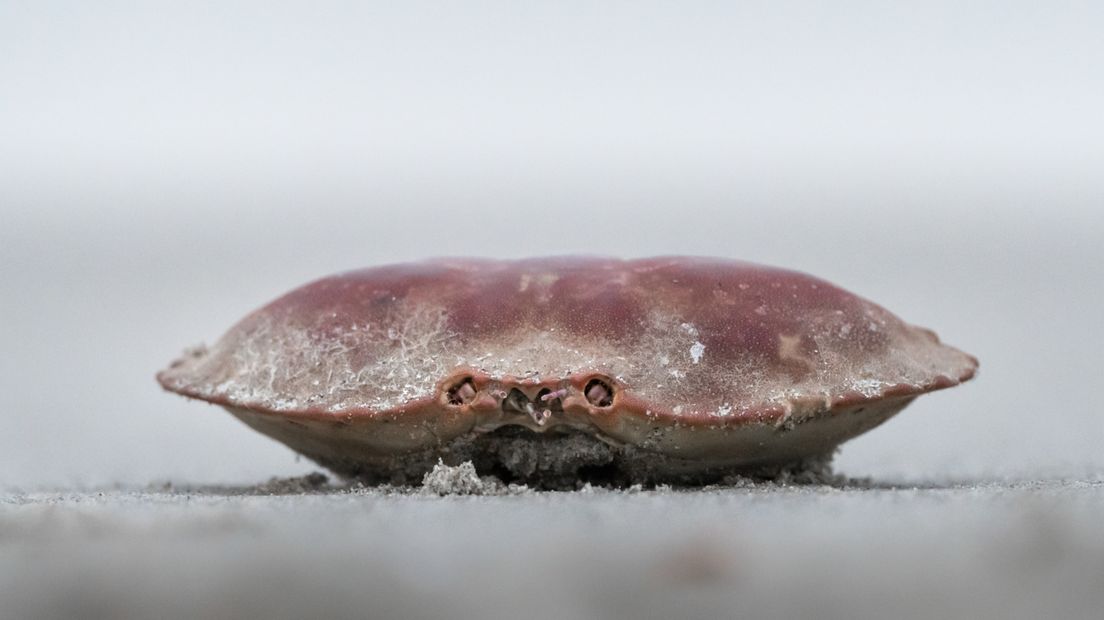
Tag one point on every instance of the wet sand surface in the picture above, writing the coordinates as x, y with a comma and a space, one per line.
297, 548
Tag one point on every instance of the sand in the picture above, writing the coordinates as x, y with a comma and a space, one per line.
307, 547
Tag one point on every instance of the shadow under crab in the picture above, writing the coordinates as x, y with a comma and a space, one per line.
560, 370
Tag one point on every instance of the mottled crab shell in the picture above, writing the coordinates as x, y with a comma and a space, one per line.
670, 365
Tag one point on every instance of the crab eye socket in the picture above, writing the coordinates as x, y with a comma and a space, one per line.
462, 393
599, 393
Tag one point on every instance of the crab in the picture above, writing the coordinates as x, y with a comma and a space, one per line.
562, 369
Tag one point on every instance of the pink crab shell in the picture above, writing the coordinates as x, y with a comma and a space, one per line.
694, 363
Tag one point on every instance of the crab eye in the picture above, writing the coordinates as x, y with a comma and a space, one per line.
462, 393
599, 393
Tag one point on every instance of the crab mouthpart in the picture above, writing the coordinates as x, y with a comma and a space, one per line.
516, 402
539, 416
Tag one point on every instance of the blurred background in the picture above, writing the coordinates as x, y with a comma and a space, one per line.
167, 167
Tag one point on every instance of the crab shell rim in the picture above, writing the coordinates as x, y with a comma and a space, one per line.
625, 403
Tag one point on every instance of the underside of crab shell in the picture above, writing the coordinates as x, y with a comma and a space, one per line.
558, 369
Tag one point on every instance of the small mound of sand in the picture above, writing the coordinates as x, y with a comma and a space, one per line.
462, 479
315, 481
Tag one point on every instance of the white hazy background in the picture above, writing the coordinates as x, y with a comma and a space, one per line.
167, 167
